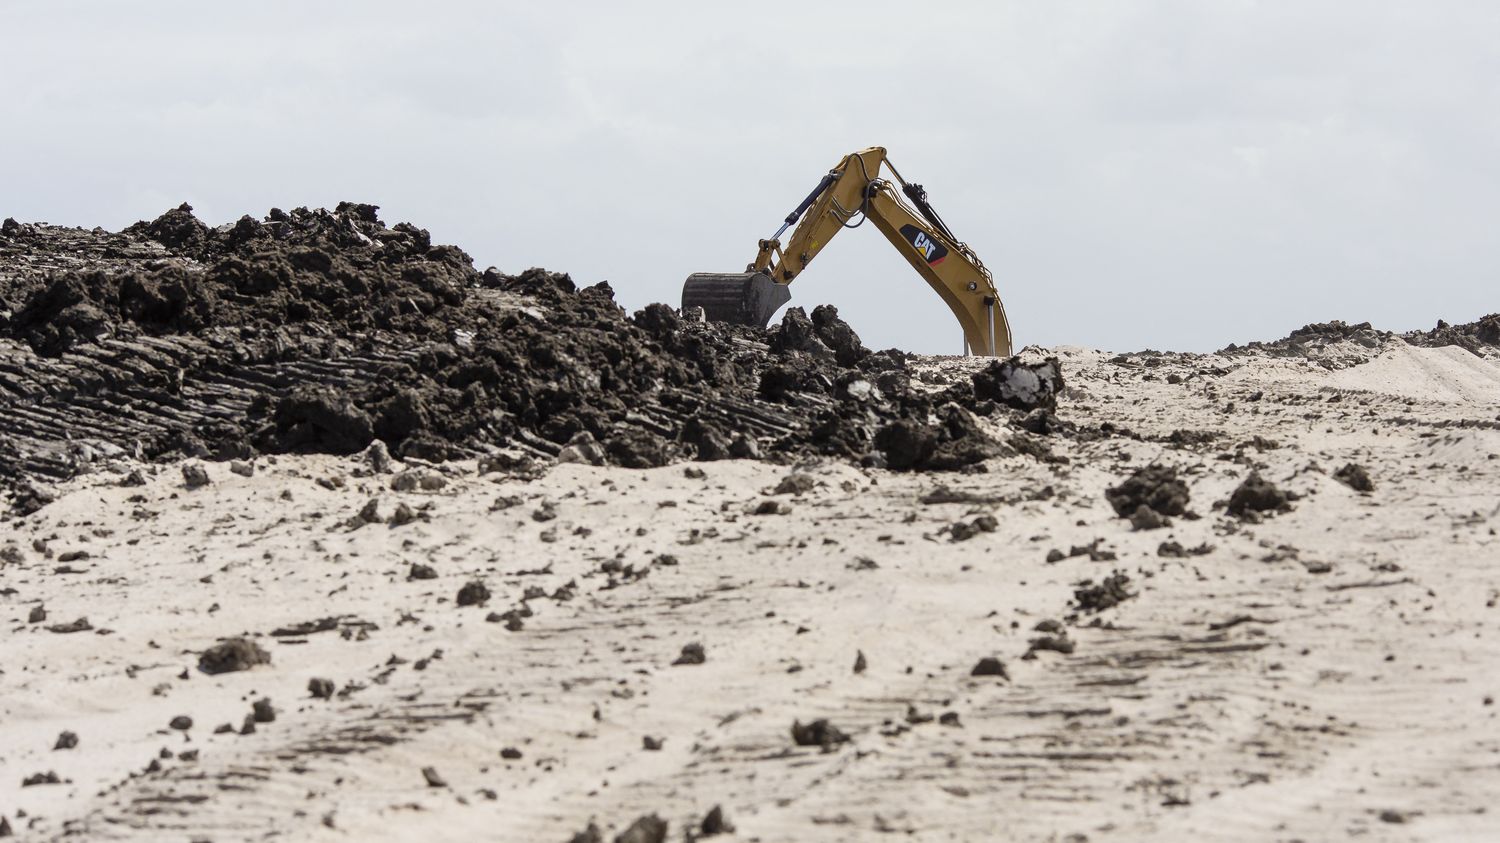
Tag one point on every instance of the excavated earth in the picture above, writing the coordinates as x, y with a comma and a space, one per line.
313, 531
319, 331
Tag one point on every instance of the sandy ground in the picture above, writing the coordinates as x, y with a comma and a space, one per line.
1326, 673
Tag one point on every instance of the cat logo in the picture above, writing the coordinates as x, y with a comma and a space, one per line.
931, 250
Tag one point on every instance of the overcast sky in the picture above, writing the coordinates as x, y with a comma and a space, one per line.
1166, 174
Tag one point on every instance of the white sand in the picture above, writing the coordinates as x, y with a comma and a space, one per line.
1353, 702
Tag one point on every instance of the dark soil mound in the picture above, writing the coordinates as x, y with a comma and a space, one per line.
1155, 487
321, 330
1315, 336
1255, 495
1356, 477
1474, 336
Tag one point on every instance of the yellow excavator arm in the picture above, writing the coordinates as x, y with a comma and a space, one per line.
850, 193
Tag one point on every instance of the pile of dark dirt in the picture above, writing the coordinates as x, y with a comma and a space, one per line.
1257, 495
321, 331
1155, 487
1310, 338
1356, 477
342, 270
1475, 336
1108, 593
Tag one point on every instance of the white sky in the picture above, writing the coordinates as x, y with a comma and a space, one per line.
1167, 174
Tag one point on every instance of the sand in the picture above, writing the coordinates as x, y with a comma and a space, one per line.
1322, 672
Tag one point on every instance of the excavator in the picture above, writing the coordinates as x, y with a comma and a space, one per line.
848, 194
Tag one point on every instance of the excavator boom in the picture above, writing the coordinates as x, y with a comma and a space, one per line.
850, 193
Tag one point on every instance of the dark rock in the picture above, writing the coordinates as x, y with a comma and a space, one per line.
1024, 386
1110, 592
1146, 518
419, 571
795, 483
836, 334
592, 834
433, 779
1174, 550
714, 822
647, 829
1155, 486
232, 655
194, 476
474, 593
743, 447
659, 320
962, 531
990, 666
907, 444
1040, 421
1355, 477
263, 711
634, 448
79, 625
181, 722
66, 740
370, 512
1056, 643
692, 653
707, 439
323, 418
1256, 494
817, 733
320, 689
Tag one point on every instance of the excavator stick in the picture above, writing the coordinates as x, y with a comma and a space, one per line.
740, 298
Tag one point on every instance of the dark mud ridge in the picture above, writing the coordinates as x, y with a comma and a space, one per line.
1476, 337
321, 331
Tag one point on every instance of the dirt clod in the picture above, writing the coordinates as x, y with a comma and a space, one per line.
692, 653
1355, 477
1156, 487
715, 822
263, 711
592, 834
1024, 386
1110, 592
647, 829
990, 666
819, 732
1257, 494
473, 593
195, 476
232, 655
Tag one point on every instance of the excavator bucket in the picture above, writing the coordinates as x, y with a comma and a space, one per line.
742, 298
